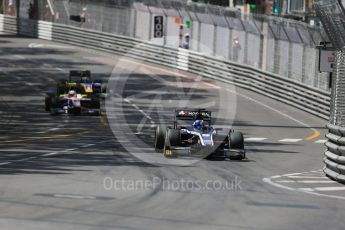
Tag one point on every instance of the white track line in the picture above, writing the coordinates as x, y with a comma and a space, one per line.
137, 108
308, 177
321, 141
307, 181
305, 190
49, 154
325, 189
255, 139
6, 163
61, 70
19, 57
290, 140
74, 196
311, 191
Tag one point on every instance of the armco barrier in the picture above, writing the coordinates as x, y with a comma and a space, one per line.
335, 154
307, 98
8, 24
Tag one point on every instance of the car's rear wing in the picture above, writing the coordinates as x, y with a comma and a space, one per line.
79, 74
200, 114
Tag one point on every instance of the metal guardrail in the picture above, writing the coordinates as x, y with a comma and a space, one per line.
294, 93
8, 24
335, 154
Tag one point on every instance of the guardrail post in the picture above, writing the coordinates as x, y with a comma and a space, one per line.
18, 15
264, 37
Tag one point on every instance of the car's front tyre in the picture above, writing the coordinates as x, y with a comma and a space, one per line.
160, 137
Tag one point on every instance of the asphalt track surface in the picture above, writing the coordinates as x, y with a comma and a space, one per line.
58, 172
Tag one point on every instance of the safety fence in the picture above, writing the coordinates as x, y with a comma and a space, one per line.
310, 99
281, 46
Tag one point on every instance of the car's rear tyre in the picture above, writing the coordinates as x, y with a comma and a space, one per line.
172, 139
48, 104
236, 142
160, 137
237, 158
95, 103
48, 101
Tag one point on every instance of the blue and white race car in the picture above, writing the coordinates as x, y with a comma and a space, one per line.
198, 139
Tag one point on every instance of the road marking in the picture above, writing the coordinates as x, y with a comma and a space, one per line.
36, 45
321, 141
308, 190
88, 145
49, 154
307, 181
286, 181
147, 116
309, 177
68, 150
19, 57
55, 153
137, 108
313, 136
74, 196
5, 163
324, 189
277, 176
61, 70
255, 139
305, 190
292, 174
54, 129
290, 140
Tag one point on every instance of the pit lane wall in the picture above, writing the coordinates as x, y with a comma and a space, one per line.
289, 91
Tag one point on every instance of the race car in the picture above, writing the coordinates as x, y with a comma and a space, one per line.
85, 85
199, 139
75, 97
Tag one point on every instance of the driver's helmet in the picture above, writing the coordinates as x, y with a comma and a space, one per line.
71, 93
198, 124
